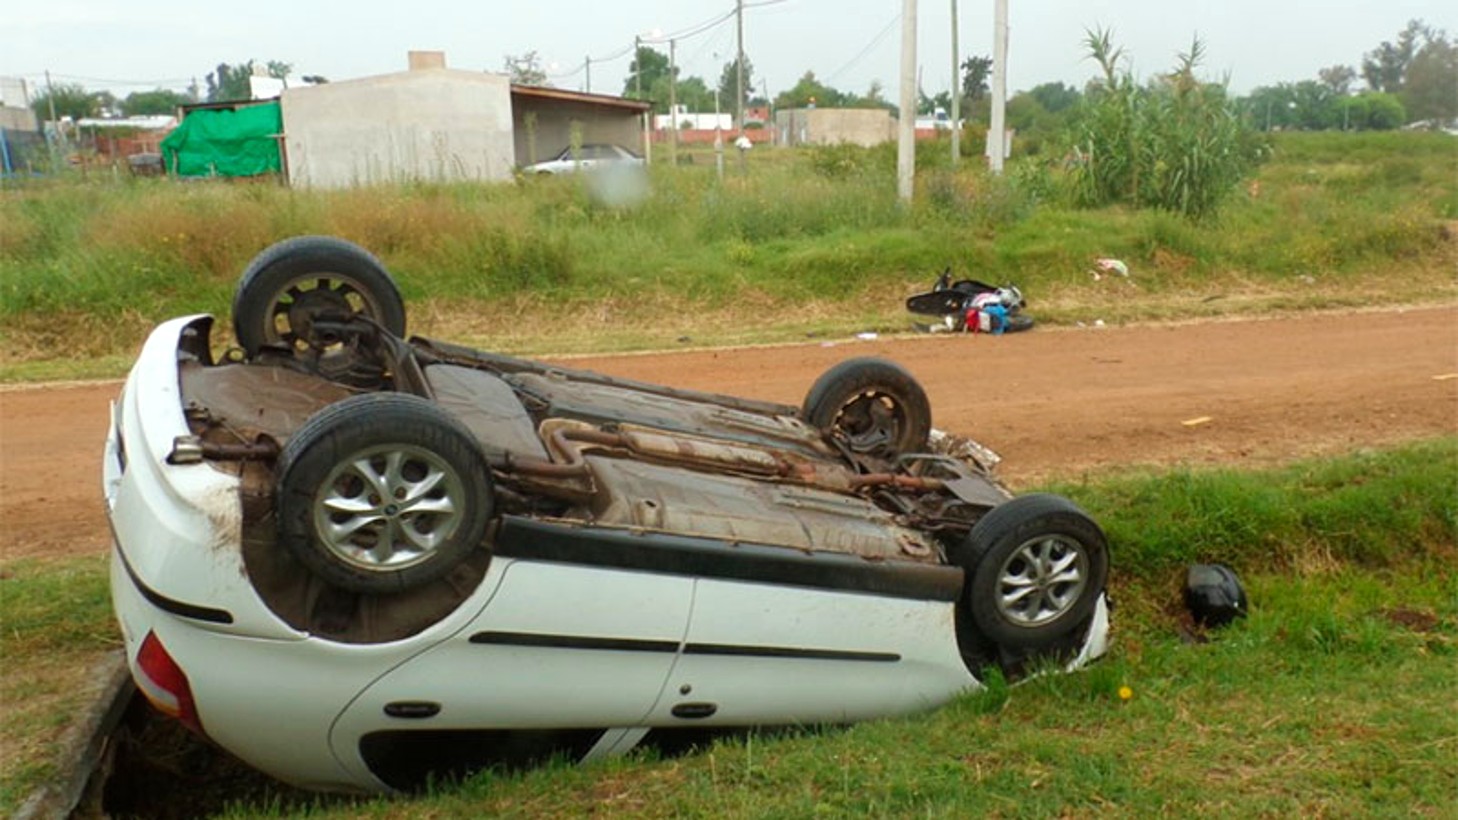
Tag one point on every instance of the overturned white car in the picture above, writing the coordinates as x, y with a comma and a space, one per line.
358, 562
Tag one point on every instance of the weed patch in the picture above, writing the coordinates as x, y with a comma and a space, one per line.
1330, 220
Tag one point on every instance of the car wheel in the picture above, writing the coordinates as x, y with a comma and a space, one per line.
874, 405
1036, 567
294, 282
382, 492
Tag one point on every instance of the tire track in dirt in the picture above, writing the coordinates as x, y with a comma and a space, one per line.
1052, 402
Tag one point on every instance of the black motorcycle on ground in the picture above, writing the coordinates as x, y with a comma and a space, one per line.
970, 306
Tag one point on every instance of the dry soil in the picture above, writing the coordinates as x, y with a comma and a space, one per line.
1052, 402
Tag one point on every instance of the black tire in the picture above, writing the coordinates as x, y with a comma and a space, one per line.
294, 281
873, 404
1016, 546
1017, 322
434, 512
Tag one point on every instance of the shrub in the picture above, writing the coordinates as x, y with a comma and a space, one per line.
1177, 144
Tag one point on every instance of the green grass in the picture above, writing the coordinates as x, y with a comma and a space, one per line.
816, 237
55, 623
1334, 697
1318, 705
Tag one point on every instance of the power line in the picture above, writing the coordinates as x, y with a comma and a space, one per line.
686, 33
693, 30
875, 41
707, 45
108, 81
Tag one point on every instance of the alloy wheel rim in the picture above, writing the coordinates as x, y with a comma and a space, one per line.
388, 507
1042, 580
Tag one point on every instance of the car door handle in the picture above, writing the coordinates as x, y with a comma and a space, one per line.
695, 711
412, 709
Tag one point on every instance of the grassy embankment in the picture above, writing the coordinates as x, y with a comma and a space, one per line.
1334, 698
808, 243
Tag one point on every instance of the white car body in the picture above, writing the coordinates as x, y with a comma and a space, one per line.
587, 158
590, 656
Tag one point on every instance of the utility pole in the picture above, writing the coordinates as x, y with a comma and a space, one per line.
906, 128
769, 109
50, 98
587, 64
673, 103
997, 134
739, 64
718, 138
647, 137
956, 94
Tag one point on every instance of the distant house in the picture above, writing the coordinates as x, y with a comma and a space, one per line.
440, 124
430, 123
685, 120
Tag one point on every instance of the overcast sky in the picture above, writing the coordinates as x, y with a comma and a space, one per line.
123, 47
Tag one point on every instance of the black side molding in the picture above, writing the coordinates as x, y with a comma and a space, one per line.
698, 557
179, 608
572, 642
553, 641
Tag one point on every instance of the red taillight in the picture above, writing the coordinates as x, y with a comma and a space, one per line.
164, 684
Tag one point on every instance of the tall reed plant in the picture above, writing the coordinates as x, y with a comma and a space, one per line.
1176, 143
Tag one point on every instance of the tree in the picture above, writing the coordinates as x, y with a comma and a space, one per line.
1055, 98
975, 71
1430, 90
1372, 111
694, 95
650, 68
809, 91
107, 104
1385, 67
927, 105
1338, 78
525, 69
230, 82
159, 101
69, 99
729, 83
875, 96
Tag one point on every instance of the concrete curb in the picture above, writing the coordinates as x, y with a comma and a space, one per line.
84, 743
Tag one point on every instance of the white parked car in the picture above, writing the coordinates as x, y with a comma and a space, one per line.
588, 157
357, 561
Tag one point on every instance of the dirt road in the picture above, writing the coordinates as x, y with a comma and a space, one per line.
1051, 401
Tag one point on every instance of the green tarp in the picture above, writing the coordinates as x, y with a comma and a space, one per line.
241, 142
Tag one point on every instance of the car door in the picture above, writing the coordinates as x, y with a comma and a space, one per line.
763, 654
562, 653
591, 156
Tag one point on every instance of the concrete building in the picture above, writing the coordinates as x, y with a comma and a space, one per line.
439, 124
828, 126
15, 112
